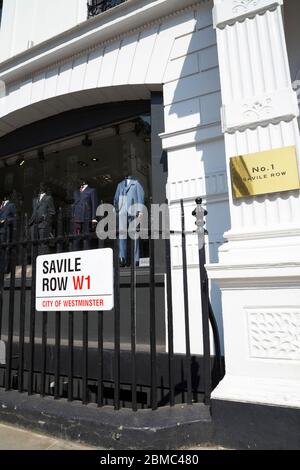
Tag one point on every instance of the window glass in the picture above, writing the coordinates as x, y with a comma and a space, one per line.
103, 157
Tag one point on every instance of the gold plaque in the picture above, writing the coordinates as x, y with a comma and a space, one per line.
267, 172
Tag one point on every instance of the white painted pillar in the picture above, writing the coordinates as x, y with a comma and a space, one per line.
259, 267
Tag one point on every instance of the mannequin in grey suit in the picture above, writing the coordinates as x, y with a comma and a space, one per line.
41, 220
129, 192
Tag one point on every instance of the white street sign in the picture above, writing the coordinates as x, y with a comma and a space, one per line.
76, 281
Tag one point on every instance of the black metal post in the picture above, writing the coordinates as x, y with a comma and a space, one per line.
2, 274
200, 213
23, 240
152, 316
205, 325
117, 314
70, 356
186, 308
44, 352
85, 326
218, 365
100, 360
12, 260
32, 309
85, 392
59, 248
100, 388
133, 325
170, 318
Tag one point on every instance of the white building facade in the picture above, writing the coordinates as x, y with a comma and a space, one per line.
227, 72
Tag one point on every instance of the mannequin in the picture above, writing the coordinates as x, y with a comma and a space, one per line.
129, 192
7, 220
42, 217
84, 209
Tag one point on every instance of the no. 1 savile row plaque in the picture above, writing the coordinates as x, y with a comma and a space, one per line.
267, 172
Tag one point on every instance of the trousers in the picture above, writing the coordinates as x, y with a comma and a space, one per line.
124, 220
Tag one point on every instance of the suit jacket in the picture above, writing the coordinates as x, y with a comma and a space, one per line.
43, 211
8, 214
85, 205
126, 196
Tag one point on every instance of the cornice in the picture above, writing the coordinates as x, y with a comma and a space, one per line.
255, 276
275, 107
98, 32
228, 12
193, 136
275, 233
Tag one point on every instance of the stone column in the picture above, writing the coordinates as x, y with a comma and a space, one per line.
259, 267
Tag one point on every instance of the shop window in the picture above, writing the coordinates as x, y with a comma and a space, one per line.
102, 157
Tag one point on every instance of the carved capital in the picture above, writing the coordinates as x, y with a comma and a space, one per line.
230, 11
257, 110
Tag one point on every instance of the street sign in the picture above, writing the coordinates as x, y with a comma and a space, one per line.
265, 172
76, 281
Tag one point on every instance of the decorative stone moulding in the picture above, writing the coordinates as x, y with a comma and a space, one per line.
274, 332
266, 109
230, 11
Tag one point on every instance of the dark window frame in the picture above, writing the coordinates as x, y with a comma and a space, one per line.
68, 124
96, 7
1, 11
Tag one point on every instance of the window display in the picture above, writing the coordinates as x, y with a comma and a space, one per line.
41, 221
129, 193
7, 221
7, 218
79, 173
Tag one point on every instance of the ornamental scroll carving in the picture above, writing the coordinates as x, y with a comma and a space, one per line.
274, 333
243, 6
258, 110
279, 106
230, 11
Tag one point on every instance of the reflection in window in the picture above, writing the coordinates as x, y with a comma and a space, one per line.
103, 157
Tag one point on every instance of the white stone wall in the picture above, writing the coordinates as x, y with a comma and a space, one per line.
134, 59
259, 267
28, 22
177, 54
196, 153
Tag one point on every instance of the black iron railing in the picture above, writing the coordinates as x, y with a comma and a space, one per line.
95, 7
70, 354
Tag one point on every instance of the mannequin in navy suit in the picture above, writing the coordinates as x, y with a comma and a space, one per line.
129, 192
84, 209
41, 221
7, 221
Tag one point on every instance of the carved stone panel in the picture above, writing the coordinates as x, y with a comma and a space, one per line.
274, 333
230, 11
265, 109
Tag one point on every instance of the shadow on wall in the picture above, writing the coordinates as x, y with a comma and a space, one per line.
193, 101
